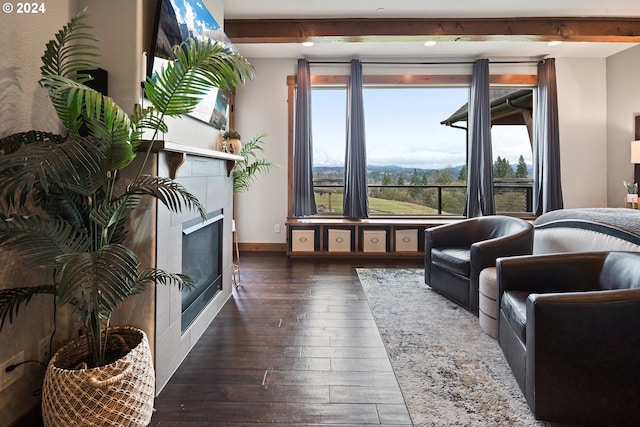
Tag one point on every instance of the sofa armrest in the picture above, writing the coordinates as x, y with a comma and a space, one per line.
550, 273
446, 235
451, 235
582, 346
485, 253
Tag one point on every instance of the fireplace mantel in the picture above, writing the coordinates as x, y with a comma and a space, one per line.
177, 153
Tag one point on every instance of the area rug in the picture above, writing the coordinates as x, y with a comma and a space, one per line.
450, 372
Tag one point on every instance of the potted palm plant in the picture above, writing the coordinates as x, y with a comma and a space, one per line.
61, 210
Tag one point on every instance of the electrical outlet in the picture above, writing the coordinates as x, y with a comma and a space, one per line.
44, 350
8, 378
276, 228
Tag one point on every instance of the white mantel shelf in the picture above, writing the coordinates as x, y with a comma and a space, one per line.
177, 153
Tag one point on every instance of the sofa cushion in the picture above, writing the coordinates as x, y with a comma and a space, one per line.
452, 259
514, 307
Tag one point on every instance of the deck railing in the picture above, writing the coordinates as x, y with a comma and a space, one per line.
511, 196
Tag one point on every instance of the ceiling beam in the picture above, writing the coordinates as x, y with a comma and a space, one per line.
622, 29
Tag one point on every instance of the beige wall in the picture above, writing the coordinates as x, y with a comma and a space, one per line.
623, 104
582, 99
25, 106
118, 24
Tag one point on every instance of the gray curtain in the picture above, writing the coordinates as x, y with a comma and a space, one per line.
547, 187
303, 197
480, 158
356, 202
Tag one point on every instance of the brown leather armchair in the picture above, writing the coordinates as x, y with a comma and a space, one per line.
456, 253
570, 329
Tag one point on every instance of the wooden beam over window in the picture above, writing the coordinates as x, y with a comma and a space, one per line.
418, 80
585, 29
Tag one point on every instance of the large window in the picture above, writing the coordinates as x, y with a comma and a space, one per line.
416, 139
413, 161
329, 129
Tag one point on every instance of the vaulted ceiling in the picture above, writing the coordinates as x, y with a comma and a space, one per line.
461, 29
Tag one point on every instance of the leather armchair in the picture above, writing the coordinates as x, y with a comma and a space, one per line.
456, 253
569, 326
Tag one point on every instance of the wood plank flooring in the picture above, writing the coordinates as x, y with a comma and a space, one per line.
296, 345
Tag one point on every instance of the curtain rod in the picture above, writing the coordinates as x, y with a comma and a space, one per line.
425, 63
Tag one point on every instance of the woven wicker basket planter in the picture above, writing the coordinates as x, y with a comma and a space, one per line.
119, 394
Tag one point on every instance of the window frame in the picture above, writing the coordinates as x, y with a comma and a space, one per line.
394, 80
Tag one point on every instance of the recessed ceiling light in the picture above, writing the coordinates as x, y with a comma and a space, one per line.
430, 43
554, 43
307, 44
380, 10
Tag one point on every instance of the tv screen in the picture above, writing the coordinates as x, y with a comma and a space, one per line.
176, 21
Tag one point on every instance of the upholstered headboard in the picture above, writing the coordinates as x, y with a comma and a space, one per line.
594, 229
626, 219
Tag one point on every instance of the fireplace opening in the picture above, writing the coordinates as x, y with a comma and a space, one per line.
202, 261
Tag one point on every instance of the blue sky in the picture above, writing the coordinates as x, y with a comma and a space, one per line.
403, 128
195, 15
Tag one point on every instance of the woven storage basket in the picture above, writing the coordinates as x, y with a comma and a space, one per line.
119, 394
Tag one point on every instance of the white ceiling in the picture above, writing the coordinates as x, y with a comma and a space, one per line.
245, 9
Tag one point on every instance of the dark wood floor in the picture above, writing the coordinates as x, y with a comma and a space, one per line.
296, 345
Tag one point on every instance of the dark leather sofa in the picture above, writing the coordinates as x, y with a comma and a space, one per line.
456, 253
569, 326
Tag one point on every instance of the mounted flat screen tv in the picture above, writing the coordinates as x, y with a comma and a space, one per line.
176, 21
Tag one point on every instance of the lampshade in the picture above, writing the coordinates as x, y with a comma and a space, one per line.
635, 151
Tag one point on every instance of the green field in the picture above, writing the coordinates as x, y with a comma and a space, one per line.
376, 206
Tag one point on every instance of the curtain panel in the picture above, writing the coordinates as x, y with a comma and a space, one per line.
480, 158
303, 196
355, 202
547, 186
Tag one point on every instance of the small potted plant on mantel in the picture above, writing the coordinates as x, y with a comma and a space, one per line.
62, 210
233, 143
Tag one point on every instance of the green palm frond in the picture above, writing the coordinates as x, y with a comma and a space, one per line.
120, 151
72, 51
115, 213
246, 171
97, 282
170, 193
12, 299
39, 242
47, 164
64, 60
156, 275
12, 143
145, 118
70, 114
199, 68
69, 206
243, 180
77, 104
66, 57
107, 122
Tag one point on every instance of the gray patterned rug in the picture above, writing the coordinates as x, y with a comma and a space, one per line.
450, 372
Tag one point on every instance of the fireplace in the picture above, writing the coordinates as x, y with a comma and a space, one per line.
208, 260
202, 261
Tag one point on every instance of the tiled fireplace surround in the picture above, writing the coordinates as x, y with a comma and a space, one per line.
205, 175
